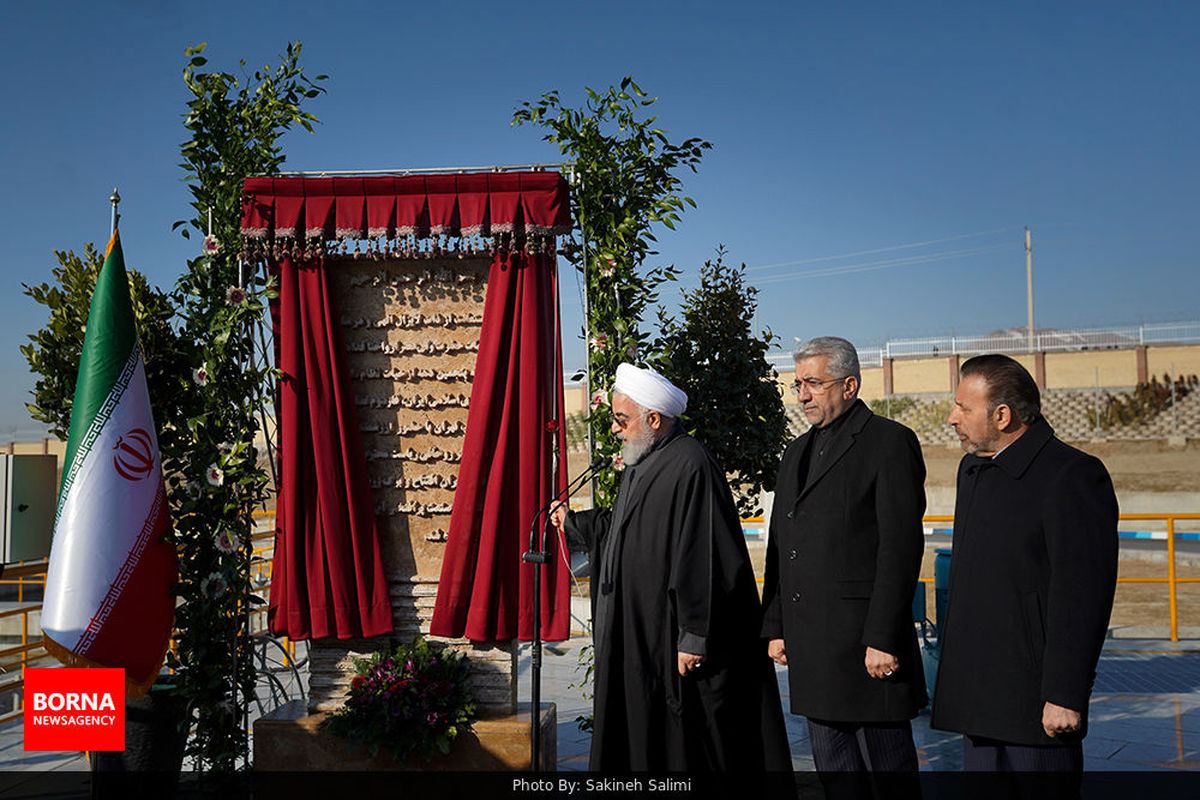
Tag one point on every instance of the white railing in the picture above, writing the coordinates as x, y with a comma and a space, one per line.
1017, 341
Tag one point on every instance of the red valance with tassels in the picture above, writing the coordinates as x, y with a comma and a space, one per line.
524, 204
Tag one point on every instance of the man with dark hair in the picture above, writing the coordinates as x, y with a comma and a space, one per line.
1032, 578
843, 555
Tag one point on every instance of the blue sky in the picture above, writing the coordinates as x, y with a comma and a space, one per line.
837, 129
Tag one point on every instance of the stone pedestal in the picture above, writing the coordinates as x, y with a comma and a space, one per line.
290, 739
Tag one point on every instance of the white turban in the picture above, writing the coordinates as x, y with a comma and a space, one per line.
650, 390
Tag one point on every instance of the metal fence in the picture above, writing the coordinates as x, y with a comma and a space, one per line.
1016, 340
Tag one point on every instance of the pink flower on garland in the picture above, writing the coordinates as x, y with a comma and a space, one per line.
618, 462
215, 475
599, 399
211, 246
200, 376
235, 295
226, 542
599, 341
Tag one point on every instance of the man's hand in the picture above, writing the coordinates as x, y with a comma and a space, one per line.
880, 664
558, 515
1058, 719
776, 651
689, 662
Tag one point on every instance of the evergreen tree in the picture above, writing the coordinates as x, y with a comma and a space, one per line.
734, 404
53, 351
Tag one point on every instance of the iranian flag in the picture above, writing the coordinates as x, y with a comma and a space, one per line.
108, 599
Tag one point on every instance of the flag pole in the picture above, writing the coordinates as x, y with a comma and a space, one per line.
115, 199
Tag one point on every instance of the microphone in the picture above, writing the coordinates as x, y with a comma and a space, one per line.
598, 463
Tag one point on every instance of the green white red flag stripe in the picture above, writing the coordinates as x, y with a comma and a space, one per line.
108, 600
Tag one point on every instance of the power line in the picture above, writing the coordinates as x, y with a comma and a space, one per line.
907, 246
889, 263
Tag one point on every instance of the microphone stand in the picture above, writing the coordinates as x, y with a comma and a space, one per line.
537, 555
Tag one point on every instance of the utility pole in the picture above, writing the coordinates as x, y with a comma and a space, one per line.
1029, 284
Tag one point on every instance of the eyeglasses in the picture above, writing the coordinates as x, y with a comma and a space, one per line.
623, 421
815, 385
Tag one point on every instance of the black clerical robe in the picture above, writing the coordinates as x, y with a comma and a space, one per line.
670, 573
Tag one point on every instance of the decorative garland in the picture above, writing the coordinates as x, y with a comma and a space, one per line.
406, 246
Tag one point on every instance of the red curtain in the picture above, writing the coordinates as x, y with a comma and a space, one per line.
486, 592
328, 579
328, 576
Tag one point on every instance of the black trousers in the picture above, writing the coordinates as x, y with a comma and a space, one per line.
865, 761
1001, 771
989, 755
862, 746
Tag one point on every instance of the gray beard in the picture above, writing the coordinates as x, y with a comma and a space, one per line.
634, 451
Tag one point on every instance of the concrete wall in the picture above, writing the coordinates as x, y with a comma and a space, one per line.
1026, 360
872, 384
47, 445
1185, 359
920, 375
1078, 370
575, 400
1075, 370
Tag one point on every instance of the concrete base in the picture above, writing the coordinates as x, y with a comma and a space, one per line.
290, 740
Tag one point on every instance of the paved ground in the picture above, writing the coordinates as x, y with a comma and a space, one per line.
1145, 711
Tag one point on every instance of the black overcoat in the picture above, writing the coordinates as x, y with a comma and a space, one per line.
1032, 576
843, 559
680, 579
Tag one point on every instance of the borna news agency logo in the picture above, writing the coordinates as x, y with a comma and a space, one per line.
74, 709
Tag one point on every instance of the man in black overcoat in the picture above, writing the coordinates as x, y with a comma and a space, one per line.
843, 558
681, 681
1032, 577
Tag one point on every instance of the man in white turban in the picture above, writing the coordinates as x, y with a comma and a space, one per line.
681, 680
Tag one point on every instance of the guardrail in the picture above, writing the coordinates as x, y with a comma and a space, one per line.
31, 648
1172, 578
1118, 337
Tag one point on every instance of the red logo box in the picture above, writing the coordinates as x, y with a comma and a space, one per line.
74, 709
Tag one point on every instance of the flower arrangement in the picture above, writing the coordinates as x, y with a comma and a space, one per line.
412, 700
